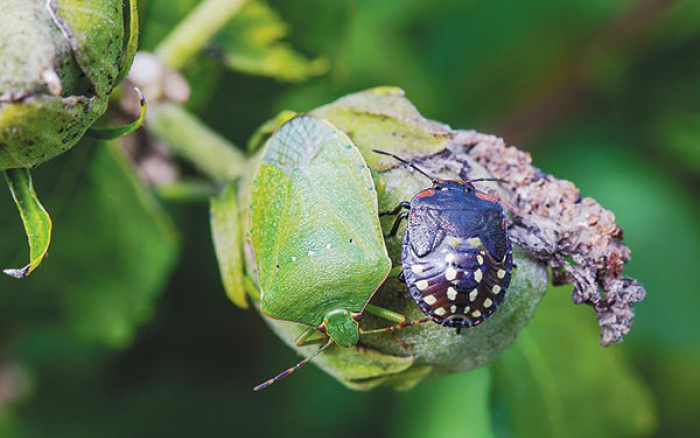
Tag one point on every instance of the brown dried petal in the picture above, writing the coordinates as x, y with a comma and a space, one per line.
577, 237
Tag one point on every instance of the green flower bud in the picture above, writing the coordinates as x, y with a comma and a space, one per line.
383, 119
59, 62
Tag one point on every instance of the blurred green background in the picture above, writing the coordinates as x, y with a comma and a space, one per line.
126, 331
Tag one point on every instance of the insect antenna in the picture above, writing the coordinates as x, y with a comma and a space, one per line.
485, 179
289, 371
396, 157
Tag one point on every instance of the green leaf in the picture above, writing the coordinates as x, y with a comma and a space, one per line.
226, 233
251, 43
37, 222
120, 131
114, 249
122, 245
675, 378
557, 381
679, 133
453, 404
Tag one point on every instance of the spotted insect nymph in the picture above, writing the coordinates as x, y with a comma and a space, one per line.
456, 255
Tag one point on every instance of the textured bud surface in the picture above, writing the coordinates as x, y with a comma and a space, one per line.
27, 24
59, 61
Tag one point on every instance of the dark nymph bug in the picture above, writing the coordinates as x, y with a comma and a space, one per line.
456, 254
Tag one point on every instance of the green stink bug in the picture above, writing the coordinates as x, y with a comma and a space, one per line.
316, 236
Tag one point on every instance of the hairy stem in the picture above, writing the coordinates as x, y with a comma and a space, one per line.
195, 142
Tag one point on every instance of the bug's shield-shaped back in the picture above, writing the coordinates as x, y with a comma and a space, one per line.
314, 225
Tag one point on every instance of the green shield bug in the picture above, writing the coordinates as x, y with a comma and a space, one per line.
316, 236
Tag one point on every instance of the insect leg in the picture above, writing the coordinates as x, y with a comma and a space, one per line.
289, 371
394, 328
303, 338
404, 204
391, 316
395, 228
385, 313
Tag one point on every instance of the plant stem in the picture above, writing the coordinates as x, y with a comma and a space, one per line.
187, 191
195, 142
196, 30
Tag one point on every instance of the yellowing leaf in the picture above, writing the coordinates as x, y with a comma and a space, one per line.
37, 222
120, 131
228, 242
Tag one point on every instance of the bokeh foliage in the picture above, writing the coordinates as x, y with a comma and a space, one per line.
603, 93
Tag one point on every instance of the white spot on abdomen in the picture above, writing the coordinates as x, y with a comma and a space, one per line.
451, 293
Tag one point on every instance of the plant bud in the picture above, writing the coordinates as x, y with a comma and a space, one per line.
59, 62
383, 119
